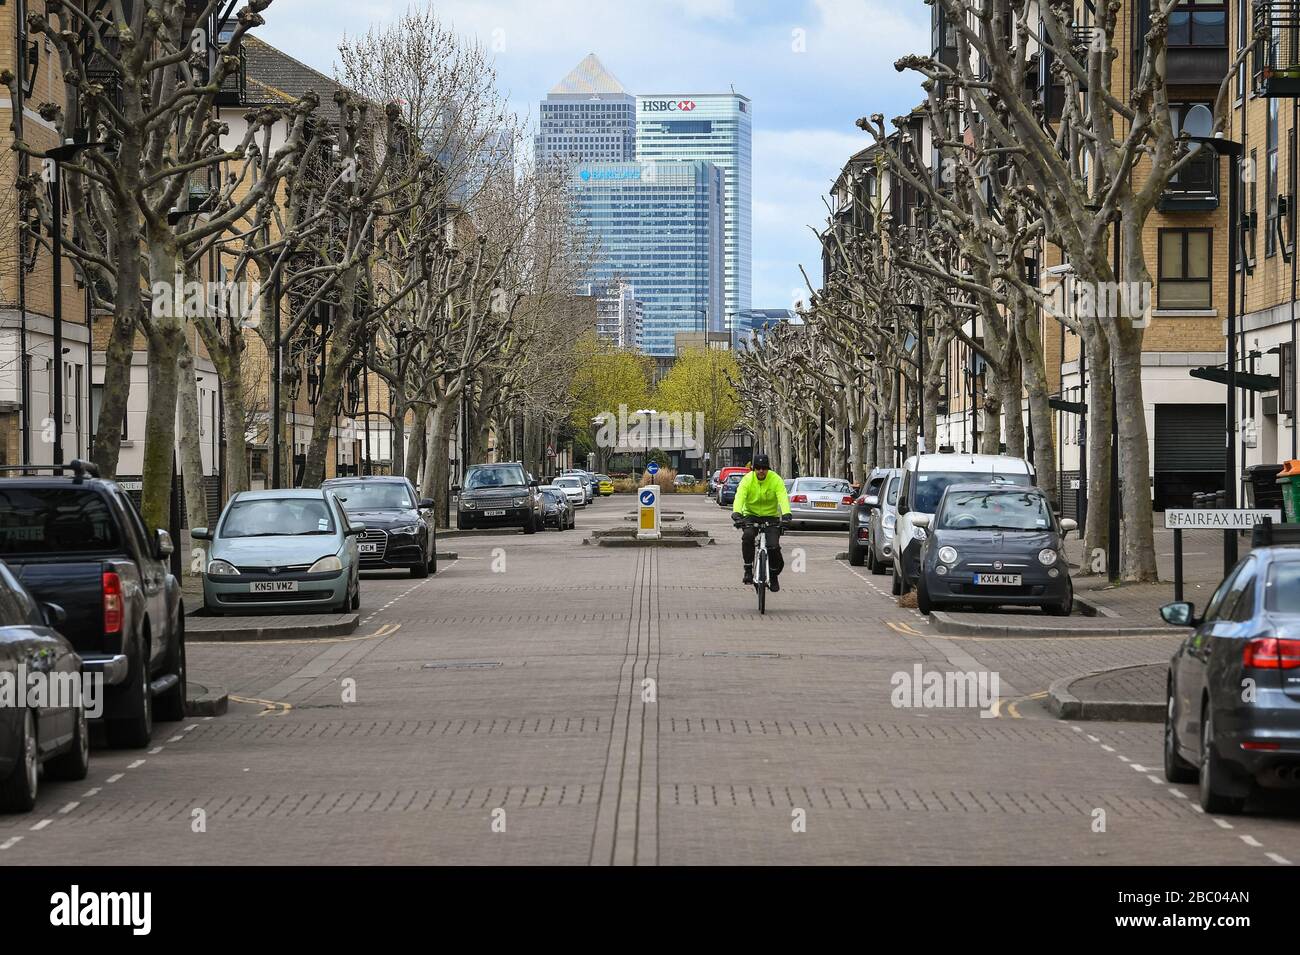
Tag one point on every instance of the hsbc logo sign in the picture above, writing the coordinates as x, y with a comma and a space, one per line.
668, 106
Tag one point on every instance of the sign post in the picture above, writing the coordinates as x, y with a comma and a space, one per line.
647, 525
1230, 520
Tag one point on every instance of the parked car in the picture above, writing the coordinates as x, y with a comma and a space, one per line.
684, 480
604, 484
498, 495
1232, 710
80, 542
820, 500
727, 493
728, 472
401, 531
557, 512
925, 478
994, 544
573, 488
880, 532
865, 504
713, 484
588, 482
287, 549
55, 734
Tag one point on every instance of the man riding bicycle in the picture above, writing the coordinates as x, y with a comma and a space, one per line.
761, 493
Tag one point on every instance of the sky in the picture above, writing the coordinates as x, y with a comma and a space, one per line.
811, 68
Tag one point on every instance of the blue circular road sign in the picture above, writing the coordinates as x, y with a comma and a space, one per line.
647, 497
653, 468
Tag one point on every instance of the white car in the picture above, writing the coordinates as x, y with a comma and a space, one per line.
574, 488
923, 481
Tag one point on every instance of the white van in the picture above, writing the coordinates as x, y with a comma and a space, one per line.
925, 478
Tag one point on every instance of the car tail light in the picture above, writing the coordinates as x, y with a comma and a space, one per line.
1270, 653
112, 603
799, 499
848, 499
1265, 747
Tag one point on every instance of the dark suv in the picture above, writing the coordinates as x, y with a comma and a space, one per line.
400, 528
498, 495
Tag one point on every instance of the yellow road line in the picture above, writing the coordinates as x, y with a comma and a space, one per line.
268, 706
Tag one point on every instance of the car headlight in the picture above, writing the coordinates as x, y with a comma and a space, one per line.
406, 529
221, 568
887, 522
1047, 557
325, 565
519, 502
468, 505
948, 555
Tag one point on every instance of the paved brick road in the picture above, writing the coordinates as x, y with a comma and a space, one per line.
509, 689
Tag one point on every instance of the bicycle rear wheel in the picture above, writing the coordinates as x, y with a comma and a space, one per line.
760, 582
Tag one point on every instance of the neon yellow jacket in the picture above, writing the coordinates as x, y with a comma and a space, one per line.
755, 498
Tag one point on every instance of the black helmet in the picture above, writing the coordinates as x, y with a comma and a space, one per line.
761, 462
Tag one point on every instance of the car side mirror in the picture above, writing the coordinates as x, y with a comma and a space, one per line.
55, 616
354, 529
533, 483
921, 520
162, 544
1068, 525
426, 502
1181, 613
197, 533
871, 500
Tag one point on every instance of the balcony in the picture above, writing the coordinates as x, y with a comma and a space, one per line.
1276, 56
1197, 53
1049, 91
1195, 188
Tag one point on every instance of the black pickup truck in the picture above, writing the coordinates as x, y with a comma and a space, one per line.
79, 542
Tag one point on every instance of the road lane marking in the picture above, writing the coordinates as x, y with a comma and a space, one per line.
41, 825
69, 807
1251, 841
1277, 858
10, 843
91, 792
1222, 823
155, 751
1178, 792
115, 777
137, 764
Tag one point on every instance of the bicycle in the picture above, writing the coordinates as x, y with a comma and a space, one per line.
760, 556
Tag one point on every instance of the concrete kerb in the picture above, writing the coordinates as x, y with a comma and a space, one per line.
200, 629
948, 625
1066, 706
203, 700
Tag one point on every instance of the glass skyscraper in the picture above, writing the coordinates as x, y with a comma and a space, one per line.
660, 230
716, 128
587, 117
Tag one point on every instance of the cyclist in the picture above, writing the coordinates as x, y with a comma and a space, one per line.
761, 493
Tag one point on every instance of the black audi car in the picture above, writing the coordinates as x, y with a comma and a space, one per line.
400, 527
994, 544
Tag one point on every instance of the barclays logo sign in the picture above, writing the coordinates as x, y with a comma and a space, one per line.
598, 175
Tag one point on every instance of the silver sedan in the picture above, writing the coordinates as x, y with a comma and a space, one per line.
821, 500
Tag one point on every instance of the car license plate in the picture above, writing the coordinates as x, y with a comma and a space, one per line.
494, 513
274, 586
831, 504
997, 580
371, 548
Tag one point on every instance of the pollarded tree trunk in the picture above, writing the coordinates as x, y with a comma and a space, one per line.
415, 450
188, 437
236, 421
166, 338
991, 437
116, 394
1100, 397
437, 465
1136, 533
1012, 402
1029, 344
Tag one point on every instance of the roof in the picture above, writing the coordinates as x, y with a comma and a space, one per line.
589, 78
366, 478
275, 494
271, 75
970, 462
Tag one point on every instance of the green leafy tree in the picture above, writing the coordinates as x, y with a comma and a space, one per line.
701, 382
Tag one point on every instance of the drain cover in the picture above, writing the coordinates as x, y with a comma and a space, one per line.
462, 665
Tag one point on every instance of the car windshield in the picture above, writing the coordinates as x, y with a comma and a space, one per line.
1283, 594
504, 476
826, 485
277, 517
374, 495
734, 479
568, 482
930, 485
55, 520
995, 510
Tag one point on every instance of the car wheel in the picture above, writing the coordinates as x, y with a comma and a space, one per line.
170, 707
75, 763
1063, 608
135, 731
433, 557
421, 569
530, 526
1177, 769
858, 555
923, 596
464, 523
356, 596
18, 792
1215, 773
895, 583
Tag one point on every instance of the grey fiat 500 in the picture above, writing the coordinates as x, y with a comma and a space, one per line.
282, 550
994, 544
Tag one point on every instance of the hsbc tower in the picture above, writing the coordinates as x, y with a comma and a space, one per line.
717, 128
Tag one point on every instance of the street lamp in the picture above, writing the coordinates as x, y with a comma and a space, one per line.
1197, 125
57, 156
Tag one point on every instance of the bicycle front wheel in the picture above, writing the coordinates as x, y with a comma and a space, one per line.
760, 582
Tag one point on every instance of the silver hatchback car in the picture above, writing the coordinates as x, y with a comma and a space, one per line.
282, 550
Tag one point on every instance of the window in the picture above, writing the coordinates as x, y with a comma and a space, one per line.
54, 521
1286, 372
1184, 269
1270, 178
1199, 23
1201, 174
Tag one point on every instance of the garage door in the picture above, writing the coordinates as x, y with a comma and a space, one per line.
1190, 438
